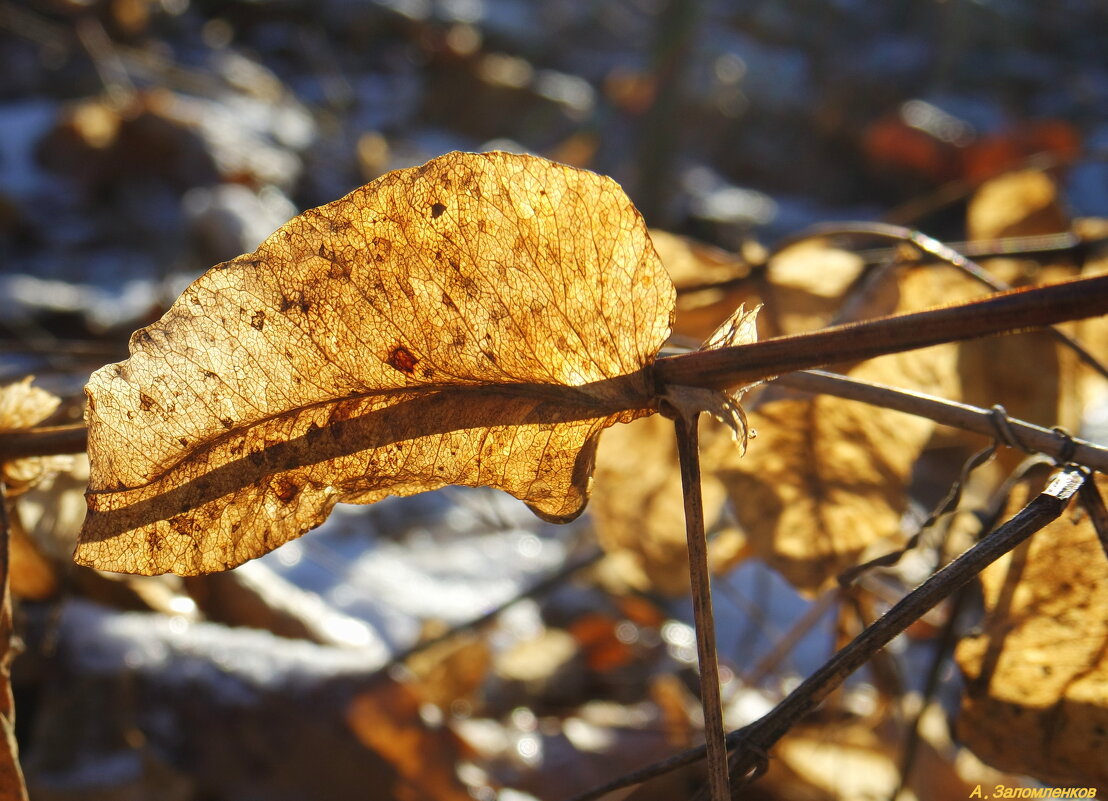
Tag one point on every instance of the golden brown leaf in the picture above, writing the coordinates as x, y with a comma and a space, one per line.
32, 574
1029, 373
826, 478
1093, 332
1037, 700
477, 321
638, 509
25, 406
386, 719
709, 282
805, 286
452, 670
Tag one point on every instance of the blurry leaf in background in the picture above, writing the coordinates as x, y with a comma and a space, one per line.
477, 321
21, 406
707, 281
25, 406
826, 478
638, 510
1037, 675
32, 574
805, 286
1029, 373
450, 671
387, 719
859, 758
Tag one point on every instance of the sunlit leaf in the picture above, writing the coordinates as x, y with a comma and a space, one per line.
477, 321
1037, 693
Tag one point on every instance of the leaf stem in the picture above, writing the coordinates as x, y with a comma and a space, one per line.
1016, 310
751, 742
43, 441
688, 453
957, 259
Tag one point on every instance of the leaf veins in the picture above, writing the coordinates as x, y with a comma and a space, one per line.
476, 321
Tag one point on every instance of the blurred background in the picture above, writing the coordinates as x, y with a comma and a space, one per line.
142, 141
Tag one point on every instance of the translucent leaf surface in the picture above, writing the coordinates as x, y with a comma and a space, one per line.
477, 321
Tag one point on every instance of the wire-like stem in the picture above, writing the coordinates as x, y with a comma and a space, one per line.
688, 453
957, 415
751, 742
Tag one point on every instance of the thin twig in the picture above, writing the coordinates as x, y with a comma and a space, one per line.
947, 254
958, 415
752, 741
944, 645
43, 441
688, 454
1098, 515
1017, 310
947, 505
734, 366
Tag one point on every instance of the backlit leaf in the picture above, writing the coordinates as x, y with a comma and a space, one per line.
1037, 697
477, 321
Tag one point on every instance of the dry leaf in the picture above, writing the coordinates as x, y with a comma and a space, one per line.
32, 574
857, 758
1021, 203
386, 719
24, 406
708, 280
1029, 373
1037, 697
477, 320
827, 477
452, 670
1093, 332
805, 286
638, 510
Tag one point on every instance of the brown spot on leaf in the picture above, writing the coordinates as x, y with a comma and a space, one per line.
146, 403
257, 320
436, 210
400, 358
285, 490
